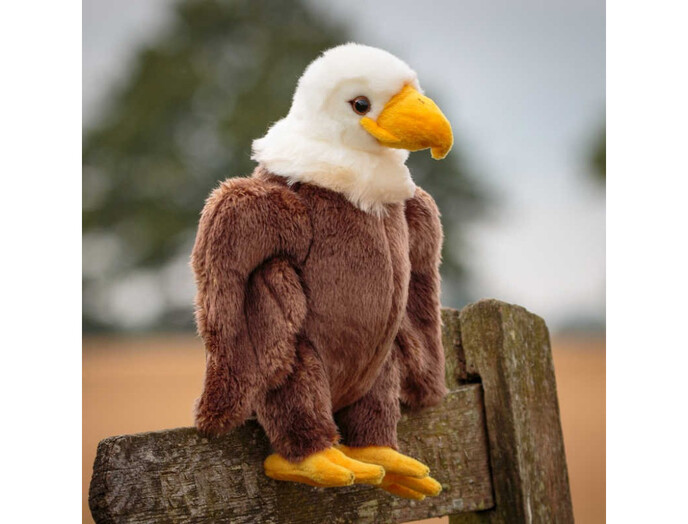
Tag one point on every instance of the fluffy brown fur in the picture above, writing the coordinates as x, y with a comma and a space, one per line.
314, 310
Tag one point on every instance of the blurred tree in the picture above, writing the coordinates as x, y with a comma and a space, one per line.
598, 158
184, 121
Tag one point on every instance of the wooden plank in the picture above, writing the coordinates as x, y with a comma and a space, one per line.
454, 361
179, 476
509, 349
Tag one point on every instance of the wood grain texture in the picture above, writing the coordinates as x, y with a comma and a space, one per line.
179, 476
509, 348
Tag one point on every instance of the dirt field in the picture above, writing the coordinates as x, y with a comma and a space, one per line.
148, 383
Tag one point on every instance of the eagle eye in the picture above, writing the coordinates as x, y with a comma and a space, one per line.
360, 105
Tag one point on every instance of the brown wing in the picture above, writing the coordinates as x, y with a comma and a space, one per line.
420, 337
249, 304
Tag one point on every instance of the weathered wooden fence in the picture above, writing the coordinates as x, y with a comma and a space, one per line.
495, 444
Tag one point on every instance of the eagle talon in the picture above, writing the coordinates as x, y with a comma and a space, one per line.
412, 487
402, 491
404, 476
327, 468
388, 458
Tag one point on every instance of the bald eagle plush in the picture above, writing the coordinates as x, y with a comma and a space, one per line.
318, 283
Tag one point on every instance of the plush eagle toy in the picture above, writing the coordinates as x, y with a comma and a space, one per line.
318, 283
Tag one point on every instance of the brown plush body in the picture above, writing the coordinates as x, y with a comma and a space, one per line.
317, 316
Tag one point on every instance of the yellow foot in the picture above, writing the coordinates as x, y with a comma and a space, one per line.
327, 468
404, 476
411, 487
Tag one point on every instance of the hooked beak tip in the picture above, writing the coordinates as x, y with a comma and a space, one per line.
438, 153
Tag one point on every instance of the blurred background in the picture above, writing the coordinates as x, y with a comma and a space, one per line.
173, 95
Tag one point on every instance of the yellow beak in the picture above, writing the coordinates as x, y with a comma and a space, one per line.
412, 121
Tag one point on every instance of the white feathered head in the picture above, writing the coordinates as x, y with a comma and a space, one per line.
356, 113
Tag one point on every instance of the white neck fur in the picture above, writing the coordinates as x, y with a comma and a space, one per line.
369, 179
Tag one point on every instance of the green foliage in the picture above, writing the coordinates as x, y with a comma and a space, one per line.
220, 75
598, 159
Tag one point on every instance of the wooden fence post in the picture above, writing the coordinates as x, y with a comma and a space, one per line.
509, 349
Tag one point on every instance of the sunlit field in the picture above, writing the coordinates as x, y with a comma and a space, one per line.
135, 384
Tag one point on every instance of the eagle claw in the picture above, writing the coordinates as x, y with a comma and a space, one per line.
404, 476
327, 468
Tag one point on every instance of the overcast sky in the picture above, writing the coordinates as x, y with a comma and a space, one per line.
523, 83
